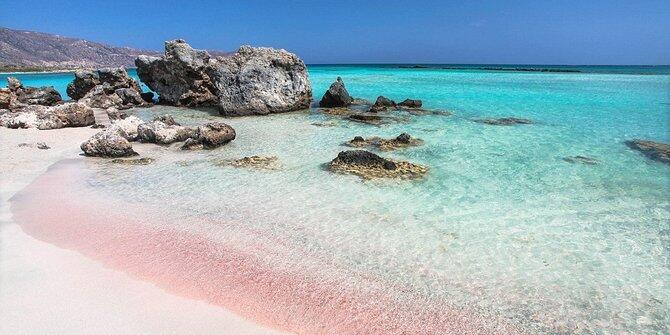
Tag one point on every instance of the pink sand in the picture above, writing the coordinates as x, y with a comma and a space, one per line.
235, 274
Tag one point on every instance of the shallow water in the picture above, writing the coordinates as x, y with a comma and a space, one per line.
502, 229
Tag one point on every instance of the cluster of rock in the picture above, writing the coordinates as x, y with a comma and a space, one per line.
368, 165
41, 108
107, 88
17, 96
250, 81
337, 96
403, 140
115, 141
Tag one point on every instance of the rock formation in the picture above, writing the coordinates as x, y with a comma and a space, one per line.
336, 95
17, 96
382, 104
250, 81
368, 165
162, 133
411, 103
69, 114
657, 151
106, 88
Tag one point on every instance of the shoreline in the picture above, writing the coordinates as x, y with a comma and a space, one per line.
78, 294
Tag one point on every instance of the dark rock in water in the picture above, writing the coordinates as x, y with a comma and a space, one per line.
581, 160
215, 134
108, 143
382, 103
369, 166
657, 151
167, 119
366, 118
403, 138
363, 157
147, 96
250, 81
336, 95
16, 95
411, 103
133, 161
506, 121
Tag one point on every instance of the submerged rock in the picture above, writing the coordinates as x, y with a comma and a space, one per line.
581, 160
411, 103
366, 118
133, 161
368, 165
505, 121
403, 140
250, 81
657, 151
256, 162
336, 95
108, 143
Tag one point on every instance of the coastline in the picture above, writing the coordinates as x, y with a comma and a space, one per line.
77, 294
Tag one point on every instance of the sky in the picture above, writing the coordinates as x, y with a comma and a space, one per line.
569, 32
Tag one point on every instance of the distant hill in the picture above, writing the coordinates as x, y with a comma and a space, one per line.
34, 51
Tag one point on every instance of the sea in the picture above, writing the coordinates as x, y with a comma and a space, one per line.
505, 234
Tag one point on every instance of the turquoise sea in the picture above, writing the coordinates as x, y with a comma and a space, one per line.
501, 225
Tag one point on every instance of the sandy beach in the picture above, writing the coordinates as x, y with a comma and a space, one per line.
46, 289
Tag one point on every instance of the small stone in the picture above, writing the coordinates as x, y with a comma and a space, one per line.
43, 146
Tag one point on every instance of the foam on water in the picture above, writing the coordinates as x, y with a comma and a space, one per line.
503, 234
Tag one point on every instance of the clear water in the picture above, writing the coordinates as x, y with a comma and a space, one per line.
501, 224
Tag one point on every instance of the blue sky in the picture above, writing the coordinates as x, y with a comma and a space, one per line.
343, 31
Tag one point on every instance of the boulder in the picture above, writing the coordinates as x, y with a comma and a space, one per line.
5, 98
250, 81
74, 114
179, 77
129, 97
214, 134
161, 133
404, 138
84, 81
336, 95
128, 127
411, 103
108, 143
382, 104
260, 81
656, 151
505, 121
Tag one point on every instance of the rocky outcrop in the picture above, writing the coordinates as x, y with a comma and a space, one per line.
250, 81
368, 165
17, 96
106, 88
127, 127
656, 151
505, 121
336, 95
254, 162
402, 141
42, 117
108, 143
179, 77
